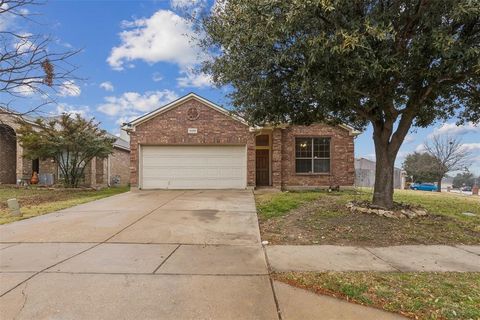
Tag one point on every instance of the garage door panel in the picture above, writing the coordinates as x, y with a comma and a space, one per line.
193, 167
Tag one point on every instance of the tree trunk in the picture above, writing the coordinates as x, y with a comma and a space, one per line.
439, 185
385, 152
383, 189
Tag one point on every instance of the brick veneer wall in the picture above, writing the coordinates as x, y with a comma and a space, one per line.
101, 171
342, 171
120, 165
22, 168
8, 149
277, 158
171, 127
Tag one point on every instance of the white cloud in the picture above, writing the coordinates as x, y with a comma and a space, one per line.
471, 147
107, 86
83, 111
402, 155
69, 89
25, 89
164, 36
193, 79
182, 4
157, 77
192, 7
24, 44
120, 121
452, 129
130, 105
420, 148
409, 138
6, 18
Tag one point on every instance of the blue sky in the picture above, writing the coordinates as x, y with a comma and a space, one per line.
136, 58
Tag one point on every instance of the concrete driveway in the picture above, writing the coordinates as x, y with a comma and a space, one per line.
139, 255
152, 255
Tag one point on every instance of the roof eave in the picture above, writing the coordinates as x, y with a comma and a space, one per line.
121, 147
174, 103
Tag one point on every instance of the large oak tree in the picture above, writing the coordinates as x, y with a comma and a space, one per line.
393, 64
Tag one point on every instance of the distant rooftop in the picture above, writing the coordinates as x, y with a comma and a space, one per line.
119, 142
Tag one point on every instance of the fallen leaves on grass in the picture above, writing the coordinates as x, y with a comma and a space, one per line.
416, 295
322, 218
36, 201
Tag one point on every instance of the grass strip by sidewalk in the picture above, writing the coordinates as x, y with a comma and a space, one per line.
38, 201
422, 295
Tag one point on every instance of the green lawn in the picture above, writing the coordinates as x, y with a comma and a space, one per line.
35, 201
416, 295
272, 205
320, 217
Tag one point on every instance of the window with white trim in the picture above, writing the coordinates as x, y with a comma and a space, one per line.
312, 155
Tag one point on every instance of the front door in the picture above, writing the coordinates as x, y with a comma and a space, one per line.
262, 167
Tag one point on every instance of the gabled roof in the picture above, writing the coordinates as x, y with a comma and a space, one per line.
210, 104
119, 142
179, 101
352, 131
24, 117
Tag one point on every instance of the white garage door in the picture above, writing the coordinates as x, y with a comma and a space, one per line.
194, 167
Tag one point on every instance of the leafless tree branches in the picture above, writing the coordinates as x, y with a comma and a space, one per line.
28, 65
449, 155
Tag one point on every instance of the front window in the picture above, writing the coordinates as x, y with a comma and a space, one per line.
312, 155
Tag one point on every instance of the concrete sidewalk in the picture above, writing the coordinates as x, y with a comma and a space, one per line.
434, 258
295, 303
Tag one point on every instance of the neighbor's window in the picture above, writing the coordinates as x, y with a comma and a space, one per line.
312, 155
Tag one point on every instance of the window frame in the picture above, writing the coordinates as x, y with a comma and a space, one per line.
312, 157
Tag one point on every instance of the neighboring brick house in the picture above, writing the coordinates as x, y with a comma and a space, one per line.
14, 168
192, 143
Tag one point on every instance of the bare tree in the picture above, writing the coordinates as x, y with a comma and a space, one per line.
449, 156
28, 65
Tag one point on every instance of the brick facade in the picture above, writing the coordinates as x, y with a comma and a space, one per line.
120, 166
8, 149
342, 171
170, 127
20, 166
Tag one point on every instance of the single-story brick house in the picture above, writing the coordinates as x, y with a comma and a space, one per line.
192, 143
14, 168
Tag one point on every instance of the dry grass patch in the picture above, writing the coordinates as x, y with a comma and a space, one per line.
415, 295
37, 201
320, 217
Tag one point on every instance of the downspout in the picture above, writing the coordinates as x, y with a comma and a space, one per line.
108, 171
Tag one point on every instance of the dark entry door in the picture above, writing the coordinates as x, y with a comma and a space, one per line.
262, 168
